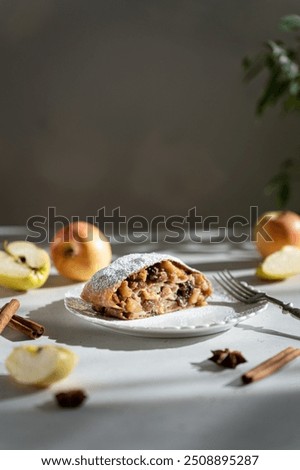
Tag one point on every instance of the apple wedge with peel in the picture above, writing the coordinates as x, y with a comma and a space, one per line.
280, 265
40, 366
23, 266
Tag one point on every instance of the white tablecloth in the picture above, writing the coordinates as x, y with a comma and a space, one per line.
158, 393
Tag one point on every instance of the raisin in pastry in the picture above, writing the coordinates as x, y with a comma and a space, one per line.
145, 284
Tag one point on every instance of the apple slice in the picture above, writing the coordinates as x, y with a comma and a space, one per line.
280, 265
40, 366
23, 266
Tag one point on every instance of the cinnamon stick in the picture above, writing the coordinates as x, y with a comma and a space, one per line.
28, 327
271, 365
7, 312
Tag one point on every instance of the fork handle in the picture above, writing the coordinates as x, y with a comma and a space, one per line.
286, 308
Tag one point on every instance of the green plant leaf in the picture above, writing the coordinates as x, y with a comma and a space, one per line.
280, 184
283, 194
282, 64
290, 23
284, 79
253, 67
294, 88
275, 183
274, 90
292, 103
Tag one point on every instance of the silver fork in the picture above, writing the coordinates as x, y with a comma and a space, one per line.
245, 293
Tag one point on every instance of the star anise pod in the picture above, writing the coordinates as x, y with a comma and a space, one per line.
227, 358
71, 398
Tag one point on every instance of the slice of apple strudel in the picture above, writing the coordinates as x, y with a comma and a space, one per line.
145, 284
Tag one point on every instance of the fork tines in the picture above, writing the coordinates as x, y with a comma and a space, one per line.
235, 288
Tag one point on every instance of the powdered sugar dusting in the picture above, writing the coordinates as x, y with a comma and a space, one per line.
123, 267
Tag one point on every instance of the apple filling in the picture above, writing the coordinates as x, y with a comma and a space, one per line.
161, 288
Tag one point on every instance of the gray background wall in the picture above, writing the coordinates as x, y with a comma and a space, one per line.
136, 103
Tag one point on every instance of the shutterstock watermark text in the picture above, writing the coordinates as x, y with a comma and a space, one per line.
138, 229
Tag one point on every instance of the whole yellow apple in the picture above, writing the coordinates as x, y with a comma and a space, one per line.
274, 230
80, 249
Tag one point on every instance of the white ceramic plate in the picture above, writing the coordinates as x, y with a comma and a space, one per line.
221, 314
